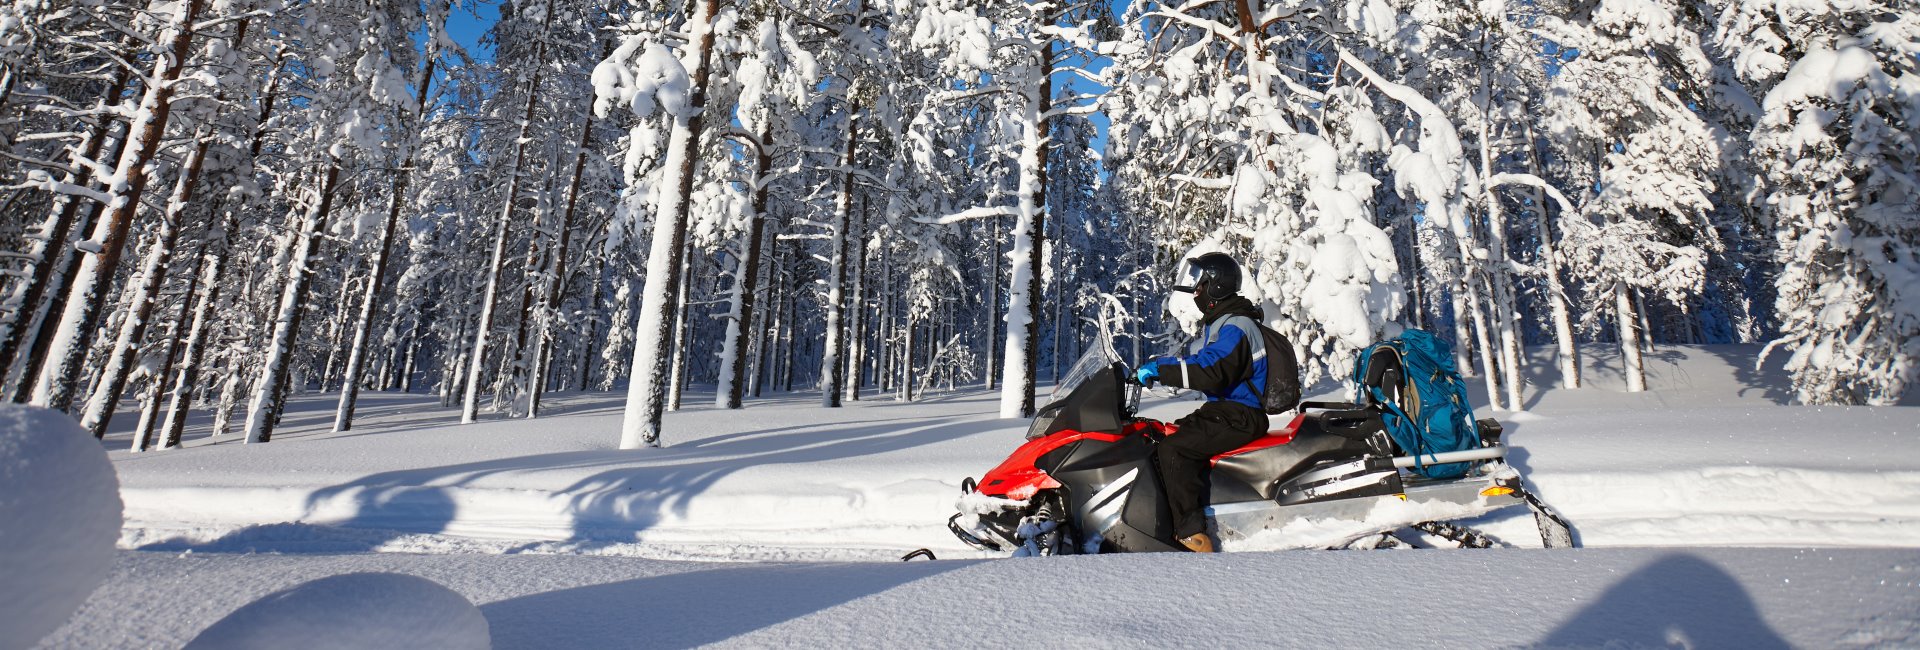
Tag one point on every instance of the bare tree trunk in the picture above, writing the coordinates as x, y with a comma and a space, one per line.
212, 260
1462, 338
888, 320
80, 319
993, 304
1483, 335
830, 368
269, 391
470, 404
905, 361
1624, 317
746, 279
785, 334
679, 369
156, 386
153, 273
1504, 307
336, 329
857, 328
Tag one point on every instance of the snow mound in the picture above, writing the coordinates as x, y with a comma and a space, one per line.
59, 518
352, 611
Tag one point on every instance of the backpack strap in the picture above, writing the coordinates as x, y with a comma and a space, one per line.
1250, 330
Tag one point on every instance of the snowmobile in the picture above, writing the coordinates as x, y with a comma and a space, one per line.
1085, 480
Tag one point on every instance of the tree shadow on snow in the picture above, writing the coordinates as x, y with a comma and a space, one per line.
385, 518
1679, 600
684, 610
633, 491
1769, 378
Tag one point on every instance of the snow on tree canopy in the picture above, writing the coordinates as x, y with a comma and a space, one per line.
59, 518
654, 80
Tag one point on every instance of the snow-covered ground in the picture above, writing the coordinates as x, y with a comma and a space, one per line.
1655, 484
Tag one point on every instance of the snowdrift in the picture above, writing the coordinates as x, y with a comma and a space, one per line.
1712, 456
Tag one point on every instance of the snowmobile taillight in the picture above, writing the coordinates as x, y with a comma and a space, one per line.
1497, 491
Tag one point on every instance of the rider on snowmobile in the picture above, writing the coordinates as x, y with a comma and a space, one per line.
1221, 364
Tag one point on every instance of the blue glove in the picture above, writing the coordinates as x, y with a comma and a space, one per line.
1149, 372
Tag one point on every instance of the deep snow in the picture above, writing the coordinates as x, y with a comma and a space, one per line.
1712, 458
59, 515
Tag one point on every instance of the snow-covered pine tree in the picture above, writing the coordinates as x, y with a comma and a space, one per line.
1011, 51
1233, 153
646, 78
86, 301
1834, 154
397, 200
1623, 131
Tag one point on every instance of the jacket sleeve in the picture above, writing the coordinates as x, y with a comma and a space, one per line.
1216, 368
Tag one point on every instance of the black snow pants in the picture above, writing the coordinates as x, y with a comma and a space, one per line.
1215, 428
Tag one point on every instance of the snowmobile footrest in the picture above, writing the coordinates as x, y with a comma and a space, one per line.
953, 525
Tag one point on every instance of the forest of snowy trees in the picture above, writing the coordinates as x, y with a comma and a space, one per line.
215, 204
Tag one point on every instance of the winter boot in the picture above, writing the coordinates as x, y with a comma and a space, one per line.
1198, 543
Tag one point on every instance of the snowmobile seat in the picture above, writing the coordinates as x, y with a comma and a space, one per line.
1270, 460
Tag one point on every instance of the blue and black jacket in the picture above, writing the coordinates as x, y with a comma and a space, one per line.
1227, 361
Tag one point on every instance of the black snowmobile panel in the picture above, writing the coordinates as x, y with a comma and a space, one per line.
1146, 524
1265, 469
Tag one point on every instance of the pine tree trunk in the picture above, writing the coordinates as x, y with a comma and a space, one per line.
857, 328
1462, 338
212, 261
1483, 336
269, 390
889, 320
646, 397
1029, 238
1504, 306
156, 386
830, 368
905, 359
555, 290
746, 278
369, 300
679, 367
786, 334
993, 304
51, 249
153, 273
336, 329
1556, 294
80, 319
1624, 317
490, 300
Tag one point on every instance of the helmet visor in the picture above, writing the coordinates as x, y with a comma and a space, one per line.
1188, 277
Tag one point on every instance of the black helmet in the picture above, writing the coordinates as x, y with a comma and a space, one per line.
1210, 277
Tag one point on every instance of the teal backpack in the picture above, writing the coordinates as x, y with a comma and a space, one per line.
1413, 379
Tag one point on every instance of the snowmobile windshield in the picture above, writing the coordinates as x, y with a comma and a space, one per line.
1091, 363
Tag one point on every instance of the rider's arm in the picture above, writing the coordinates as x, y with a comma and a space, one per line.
1218, 366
